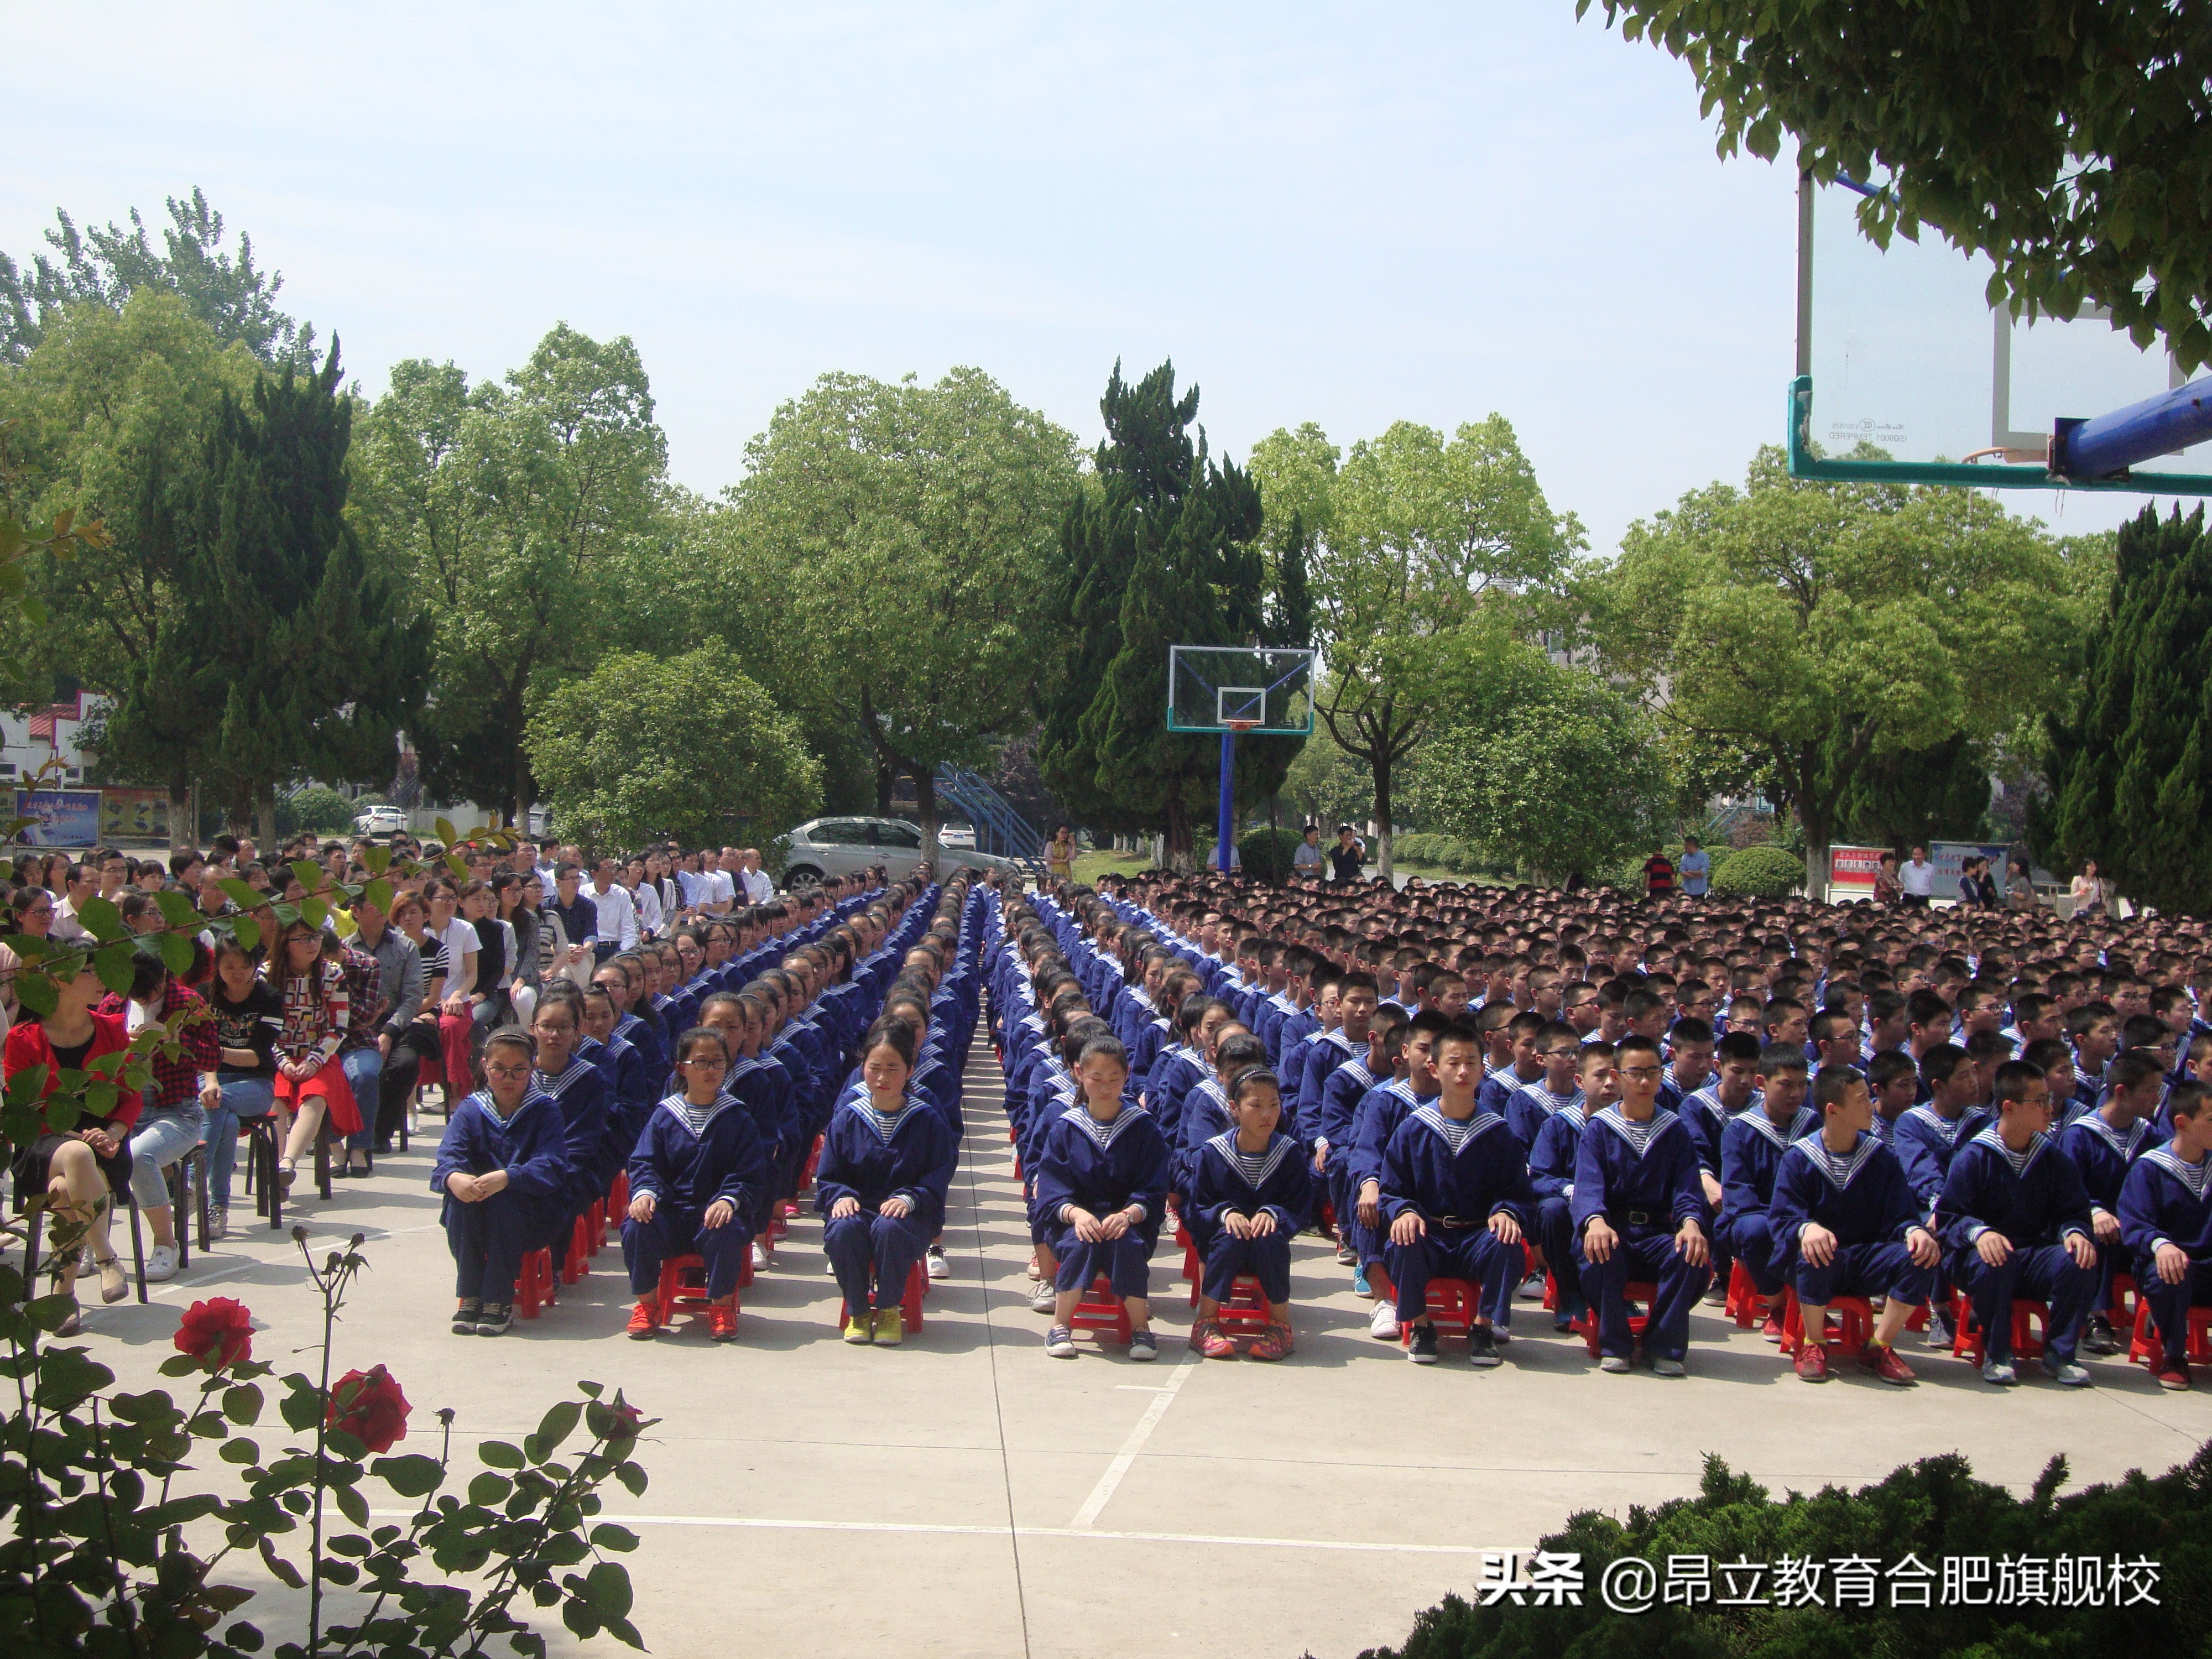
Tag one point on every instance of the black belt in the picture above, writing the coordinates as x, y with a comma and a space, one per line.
1645, 1218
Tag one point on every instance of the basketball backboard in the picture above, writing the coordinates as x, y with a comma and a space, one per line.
1264, 690
1901, 349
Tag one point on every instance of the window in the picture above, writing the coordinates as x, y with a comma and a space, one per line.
839, 832
903, 835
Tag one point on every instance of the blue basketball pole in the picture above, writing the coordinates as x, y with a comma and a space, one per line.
1225, 835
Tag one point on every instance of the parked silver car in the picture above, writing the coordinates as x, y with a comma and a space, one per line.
847, 846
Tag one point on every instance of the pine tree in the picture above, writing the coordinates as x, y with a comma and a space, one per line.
2131, 773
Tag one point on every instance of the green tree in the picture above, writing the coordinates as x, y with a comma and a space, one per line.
1418, 542
1552, 770
2131, 763
909, 532
107, 266
645, 747
531, 513
2070, 144
1826, 623
1909, 796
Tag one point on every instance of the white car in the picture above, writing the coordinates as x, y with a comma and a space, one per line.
380, 821
956, 835
846, 847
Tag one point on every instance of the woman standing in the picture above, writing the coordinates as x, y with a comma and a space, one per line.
1060, 854
416, 1056
528, 893
455, 930
2091, 893
1888, 892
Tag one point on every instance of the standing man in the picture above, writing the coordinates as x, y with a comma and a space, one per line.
759, 886
1308, 860
1696, 867
618, 914
1658, 873
76, 887
1917, 878
1345, 857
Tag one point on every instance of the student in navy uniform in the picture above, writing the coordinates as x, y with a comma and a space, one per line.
695, 1180
1331, 1119
1849, 1224
1357, 1002
1926, 1139
2165, 1224
2015, 1220
1412, 1083
1248, 1195
887, 1163
1552, 1177
1527, 1107
1706, 1113
1751, 1148
1894, 1082
1102, 1190
1522, 1069
1689, 1064
1638, 1214
582, 1093
1205, 1110
503, 1170
1455, 1192
2104, 1144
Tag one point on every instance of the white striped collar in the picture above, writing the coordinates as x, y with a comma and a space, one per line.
1105, 1134
2194, 1176
2125, 1145
1764, 1123
2018, 1162
1357, 1071
1254, 1167
1946, 1127
1639, 1136
1458, 1133
578, 1066
1839, 1167
1546, 1101
483, 1097
697, 1118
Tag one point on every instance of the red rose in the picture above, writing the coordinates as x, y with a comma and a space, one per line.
368, 1405
217, 1333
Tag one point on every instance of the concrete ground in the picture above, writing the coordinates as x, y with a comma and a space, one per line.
966, 1495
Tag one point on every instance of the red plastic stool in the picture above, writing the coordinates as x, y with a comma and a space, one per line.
682, 1288
597, 1215
1745, 1304
1451, 1305
1850, 1320
1551, 1292
1245, 1313
813, 1163
575, 1262
2121, 1315
1102, 1311
1966, 1338
2145, 1349
534, 1285
910, 1300
1636, 1290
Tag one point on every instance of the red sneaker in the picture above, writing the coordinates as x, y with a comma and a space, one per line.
1813, 1362
645, 1318
1274, 1343
1209, 1340
2175, 1376
721, 1323
1773, 1329
1881, 1359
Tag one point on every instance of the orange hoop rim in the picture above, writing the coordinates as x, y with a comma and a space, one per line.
1238, 726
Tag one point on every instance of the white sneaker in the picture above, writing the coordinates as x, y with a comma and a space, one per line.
934, 1263
160, 1263
760, 1257
1384, 1325
1043, 1299
218, 1223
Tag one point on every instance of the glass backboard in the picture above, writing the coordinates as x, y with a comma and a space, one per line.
1264, 690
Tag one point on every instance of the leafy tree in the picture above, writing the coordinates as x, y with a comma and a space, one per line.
108, 266
1910, 797
1552, 770
909, 532
646, 747
1328, 786
530, 511
1417, 540
1828, 623
2070, 144
1168, 546
2130, 764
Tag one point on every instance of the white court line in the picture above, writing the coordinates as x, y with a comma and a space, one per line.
1102, 1493
764, 1525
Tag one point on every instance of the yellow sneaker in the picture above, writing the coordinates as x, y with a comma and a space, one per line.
890, 1328
860, 1329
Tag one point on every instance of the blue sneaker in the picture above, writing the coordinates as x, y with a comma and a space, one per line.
1359, 1286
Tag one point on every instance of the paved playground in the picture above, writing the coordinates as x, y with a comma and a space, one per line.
966, 1495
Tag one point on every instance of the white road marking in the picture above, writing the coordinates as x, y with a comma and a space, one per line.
1102, 1493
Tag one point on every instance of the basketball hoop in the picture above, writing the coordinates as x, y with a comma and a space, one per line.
1238, 726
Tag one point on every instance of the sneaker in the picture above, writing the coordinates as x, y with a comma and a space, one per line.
2174, 1376
1482, 1348
890, 1327
860, 1329
1717, 1293
2066, 1373
1059, 1342
1772, 1330
218, 1223
1044, 1298
1035, 1271
1532, 1289
1274, 1343
1209, 1340
1359, 1285
1144, 1346
2100, 1337
1382, 1324
760, 1257
465, 1317
1422, 1350
1615, 1364
1938, 1333
722, 1322
1999, 1372
1812, 1362
1880, 1358
644, 1319
160, 1263
496, 1318
1501, 1335
934, 1264
1345, 1255
1665, 1367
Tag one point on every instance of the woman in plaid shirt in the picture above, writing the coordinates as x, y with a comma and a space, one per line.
317, 1012
172, 1122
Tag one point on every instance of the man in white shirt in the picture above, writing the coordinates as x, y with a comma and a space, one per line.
77, 888
759, 886
618, 914
1917, 880
717, 892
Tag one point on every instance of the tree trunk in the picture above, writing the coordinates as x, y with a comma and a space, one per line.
264, 813
1177, 848
1384, 836
924, 808
886, 780
183, 832
1819, 830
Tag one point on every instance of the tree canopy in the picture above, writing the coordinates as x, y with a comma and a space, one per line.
2071, 143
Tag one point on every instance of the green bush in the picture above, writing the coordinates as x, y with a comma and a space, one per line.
1760, 872
1268, 853
317, 807
1933, 1512
1438, 852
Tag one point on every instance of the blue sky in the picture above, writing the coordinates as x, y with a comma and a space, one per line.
1344, 213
